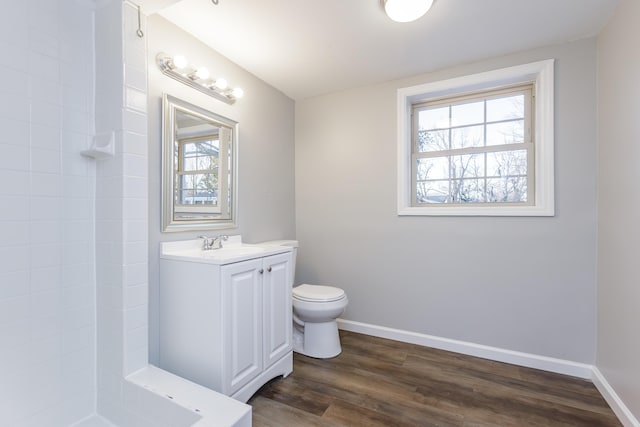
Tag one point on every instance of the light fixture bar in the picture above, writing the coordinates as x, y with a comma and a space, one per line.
193, 78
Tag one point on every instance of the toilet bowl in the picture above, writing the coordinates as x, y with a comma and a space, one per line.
315, 310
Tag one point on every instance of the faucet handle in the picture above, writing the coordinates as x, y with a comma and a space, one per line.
206, 243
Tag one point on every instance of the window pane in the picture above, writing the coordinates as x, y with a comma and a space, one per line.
467, 114
433, 168
470, 136
467, 166
434, 140
507, 163
434, 118
511, 107
467, 191
509, 189
505, 133
432, 192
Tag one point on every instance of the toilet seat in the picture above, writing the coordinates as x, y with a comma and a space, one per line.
318, 293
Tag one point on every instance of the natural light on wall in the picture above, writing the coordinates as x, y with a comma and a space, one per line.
406, 10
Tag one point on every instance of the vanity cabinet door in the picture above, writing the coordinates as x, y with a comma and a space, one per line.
277, 283
242, 322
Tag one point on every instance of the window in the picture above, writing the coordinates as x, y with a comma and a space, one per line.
478, 145
198, 172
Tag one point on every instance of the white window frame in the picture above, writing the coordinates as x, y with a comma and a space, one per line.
542, 76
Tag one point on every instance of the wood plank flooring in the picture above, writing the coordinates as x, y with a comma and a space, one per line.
378, 382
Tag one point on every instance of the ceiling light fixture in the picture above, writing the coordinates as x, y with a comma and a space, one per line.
406, 10
179, 69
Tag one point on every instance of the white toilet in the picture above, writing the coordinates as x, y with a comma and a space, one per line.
315, 310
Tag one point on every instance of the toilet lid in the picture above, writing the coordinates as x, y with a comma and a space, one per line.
317, 293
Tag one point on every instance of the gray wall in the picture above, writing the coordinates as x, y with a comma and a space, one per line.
266, 149
618, 353
524, 284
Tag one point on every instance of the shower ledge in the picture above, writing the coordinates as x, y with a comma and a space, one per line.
203, 407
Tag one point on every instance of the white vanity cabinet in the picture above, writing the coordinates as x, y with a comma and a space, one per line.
227, 326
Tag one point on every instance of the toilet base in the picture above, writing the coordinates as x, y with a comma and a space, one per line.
319, 340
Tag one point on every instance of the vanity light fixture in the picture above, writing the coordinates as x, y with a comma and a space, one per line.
406, 10
198, 78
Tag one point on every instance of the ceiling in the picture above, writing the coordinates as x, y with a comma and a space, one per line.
307, 48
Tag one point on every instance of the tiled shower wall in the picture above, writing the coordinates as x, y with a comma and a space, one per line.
47, 286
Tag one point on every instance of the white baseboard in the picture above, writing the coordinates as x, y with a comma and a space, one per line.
550, 364
617, 405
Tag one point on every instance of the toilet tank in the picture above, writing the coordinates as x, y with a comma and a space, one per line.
291, 243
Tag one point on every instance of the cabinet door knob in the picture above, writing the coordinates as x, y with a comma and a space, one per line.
261, 271
269, 269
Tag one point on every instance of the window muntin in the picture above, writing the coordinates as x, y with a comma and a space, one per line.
474, 149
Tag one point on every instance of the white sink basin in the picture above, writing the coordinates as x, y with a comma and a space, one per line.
233, 251
191, 250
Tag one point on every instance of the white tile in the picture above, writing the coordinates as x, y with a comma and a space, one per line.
45, 91
78, 296
14, 309
15, 333
14, 284
78, 339
14, 132
135, 231
14, 258
14, 233
77, 275
136, 253
138, 339
46, 161
78, 317
45, 255
45, 304
136, 359
75, 164
135, 274
44, 279
136, 317
45, 184
46, 349
43, 327
13, 55
135, 122
44, 67
46, 113
135, 187
136, 100
43, 136
77, 231
77, 186
13, 183
135, 209
13, 83
135, 296
135, 78
76, 121
74, 141
135, 144
15, 157
135, 166
45, 208
45, 232
43, 43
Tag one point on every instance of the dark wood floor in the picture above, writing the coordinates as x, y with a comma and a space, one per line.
378, 382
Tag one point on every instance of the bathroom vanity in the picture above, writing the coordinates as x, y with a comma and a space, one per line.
225, 314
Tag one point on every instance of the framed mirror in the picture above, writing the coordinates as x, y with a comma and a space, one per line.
199, 168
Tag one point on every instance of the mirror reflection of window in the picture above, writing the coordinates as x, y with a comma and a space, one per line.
198, 168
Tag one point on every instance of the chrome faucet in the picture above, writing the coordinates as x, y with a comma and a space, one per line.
215, 242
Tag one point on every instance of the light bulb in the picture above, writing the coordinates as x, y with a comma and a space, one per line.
406, 10
221, 83
202, 73
238, 93
180, 62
